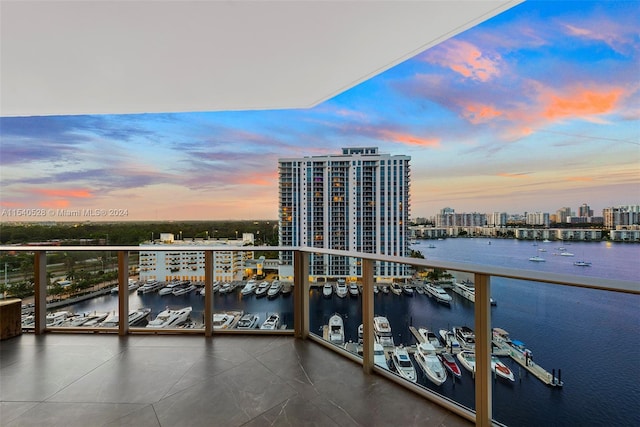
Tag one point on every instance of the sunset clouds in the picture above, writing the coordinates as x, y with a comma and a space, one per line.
533, 110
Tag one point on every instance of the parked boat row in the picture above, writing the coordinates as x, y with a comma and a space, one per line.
65, 319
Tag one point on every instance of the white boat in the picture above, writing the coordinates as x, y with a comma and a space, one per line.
467, 360
566, 254
272, 323
336, 329
378, 356
353, 290
420, 289
537, 258
86, 320
407, 290
385, 289
396, 289
183, 290
437, 292
135, 318
582, 263
403, 365
501, 370
361, 334
449, 362
427, 359
226, 288
466, 338
430, 337
450, 340
341, 289
327, 290
150, 286
467, 289
249, 288
248, 321
171, 318
222, 321
382, 331
274, 289
165, 291
58, 318
262, 289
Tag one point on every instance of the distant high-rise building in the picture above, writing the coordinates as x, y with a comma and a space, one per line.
621, 215
355, 201
585, 211
497, 219
562, 214
538, 218
448, 218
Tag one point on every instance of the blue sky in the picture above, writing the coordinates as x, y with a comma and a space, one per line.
533, 110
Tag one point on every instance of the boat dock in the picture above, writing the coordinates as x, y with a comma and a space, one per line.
533, 368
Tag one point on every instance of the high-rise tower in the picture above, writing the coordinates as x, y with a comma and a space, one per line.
354, 201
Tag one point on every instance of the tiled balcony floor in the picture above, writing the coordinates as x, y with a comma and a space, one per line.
181, 380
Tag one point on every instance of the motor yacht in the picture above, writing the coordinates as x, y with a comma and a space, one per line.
274, 289
249, 288
272, 322
136, 318
403, 365
428, 360
336, 329
378, 356
501, 370
437, 292
58, 318
537, 258
262, 289
450, 341
171, 318
382, 331
248, 321
582, 263
226, 288
183, 290
327, 290
449, 362
467, 360
353, 290
396, 289
407, 290
150, 286
467, 289
341, 289
430, 337
466, 338
222, 321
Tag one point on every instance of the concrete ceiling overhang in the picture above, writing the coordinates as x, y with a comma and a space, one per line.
117, 57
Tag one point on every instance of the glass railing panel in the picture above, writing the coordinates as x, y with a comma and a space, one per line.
251, 294
335, 305
572, 352
82, 288
424, 317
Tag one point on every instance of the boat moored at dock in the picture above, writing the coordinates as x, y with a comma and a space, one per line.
403, 365
336, 329
428, 360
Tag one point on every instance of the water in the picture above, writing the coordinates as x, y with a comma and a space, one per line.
593, 336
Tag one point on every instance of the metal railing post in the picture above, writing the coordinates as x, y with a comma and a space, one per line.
123, 292
483, 349
208, 293
367, 316
40, 289
301, 294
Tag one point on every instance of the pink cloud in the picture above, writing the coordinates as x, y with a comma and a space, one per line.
465, 59
477, 113
408, 139
579, 179
581, 103
74, 194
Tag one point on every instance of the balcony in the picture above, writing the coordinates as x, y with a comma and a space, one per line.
312, 376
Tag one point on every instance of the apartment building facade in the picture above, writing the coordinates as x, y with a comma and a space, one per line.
354, 201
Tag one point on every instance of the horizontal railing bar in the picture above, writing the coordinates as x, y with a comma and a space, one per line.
509, 273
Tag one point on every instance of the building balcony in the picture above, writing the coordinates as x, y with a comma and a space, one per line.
297, 371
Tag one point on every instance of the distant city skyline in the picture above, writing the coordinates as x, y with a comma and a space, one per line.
531, 111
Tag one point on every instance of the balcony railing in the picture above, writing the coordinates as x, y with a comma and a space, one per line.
482, 275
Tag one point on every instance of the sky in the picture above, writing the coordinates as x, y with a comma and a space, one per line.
531, 111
